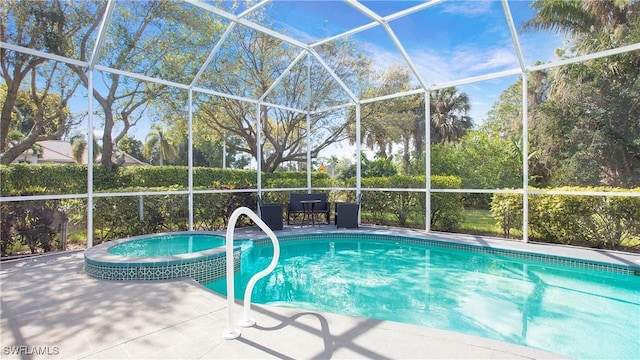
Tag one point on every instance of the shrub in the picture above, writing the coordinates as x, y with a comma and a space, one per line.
596, 221
445, 207
35, 223
507, 210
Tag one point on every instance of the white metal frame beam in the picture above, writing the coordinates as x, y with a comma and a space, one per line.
247, 23
48, 56
583, 58
101, 37
102, 33
223, 38
379, 19
393, 96
514, 35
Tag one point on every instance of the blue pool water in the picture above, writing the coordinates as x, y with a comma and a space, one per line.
577, 312
167, 245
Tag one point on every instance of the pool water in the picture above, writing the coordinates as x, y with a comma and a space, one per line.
576, 312
167, 245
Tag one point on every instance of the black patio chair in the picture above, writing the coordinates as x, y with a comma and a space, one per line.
271, 214
346, 214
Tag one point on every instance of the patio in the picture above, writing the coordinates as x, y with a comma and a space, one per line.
51, 307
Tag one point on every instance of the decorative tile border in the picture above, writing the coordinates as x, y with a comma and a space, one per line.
202, 270
551, 259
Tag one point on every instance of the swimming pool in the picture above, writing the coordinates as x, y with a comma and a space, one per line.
585, 311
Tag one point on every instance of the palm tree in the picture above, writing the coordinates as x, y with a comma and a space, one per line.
159, 141
79, 146
593, 25
449, 119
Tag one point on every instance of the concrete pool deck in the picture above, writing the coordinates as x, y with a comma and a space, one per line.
51, 307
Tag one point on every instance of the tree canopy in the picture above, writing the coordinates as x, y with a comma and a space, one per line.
36, 91
284, 132
583, 117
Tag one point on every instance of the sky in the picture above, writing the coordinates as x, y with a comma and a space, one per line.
448, 41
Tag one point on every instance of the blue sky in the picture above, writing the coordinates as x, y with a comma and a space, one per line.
449, 41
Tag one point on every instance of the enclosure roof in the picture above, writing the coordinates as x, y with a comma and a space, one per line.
442, 43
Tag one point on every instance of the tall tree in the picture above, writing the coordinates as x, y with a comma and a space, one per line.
505, 116
589, 25
449, 111
588, 131
253, 62
449, 117
505, 120
43, 113
394, 121
402, 120
160, 39
383, 123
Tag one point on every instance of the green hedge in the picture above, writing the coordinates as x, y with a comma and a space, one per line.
51, 179
596, 221
409, 207
124, 216
72, 179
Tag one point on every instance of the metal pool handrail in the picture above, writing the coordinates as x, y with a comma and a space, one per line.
232, 333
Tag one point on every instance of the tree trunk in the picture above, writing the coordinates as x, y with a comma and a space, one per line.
7, 109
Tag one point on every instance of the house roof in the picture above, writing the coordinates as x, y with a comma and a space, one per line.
61, 152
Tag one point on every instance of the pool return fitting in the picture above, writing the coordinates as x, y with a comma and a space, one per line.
232, 333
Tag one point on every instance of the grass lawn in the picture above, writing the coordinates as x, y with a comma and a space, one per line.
476, 221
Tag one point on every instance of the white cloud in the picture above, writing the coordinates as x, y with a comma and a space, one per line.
434, 67
383, 58
492, 59
295, 33
469, 8
462, 63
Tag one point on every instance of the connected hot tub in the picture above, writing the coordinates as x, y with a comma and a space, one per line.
200, 255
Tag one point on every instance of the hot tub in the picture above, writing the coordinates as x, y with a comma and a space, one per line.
200, 255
